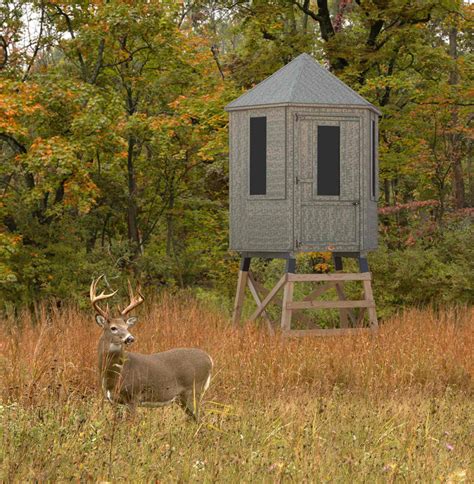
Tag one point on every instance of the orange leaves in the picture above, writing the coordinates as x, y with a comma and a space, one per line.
18, 106
177, 102
57, 161
80, 192
322, 268
319, 262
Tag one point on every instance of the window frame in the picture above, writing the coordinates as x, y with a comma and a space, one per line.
256, 150
373, 159
319, 156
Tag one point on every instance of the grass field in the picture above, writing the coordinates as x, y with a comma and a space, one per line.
394, 407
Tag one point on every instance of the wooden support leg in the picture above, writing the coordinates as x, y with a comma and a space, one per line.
285, 312
337, 263
287, 297
345, 315
369, 296
363, 264
240, 294
253, 289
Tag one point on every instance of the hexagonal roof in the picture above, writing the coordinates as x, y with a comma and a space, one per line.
302, 81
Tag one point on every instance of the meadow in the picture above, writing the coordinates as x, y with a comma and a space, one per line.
392, 407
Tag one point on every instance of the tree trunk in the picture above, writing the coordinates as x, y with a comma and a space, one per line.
132, 209
305, 16
454, 138
169, 226
470, 174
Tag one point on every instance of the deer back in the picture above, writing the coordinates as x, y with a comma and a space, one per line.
161, 377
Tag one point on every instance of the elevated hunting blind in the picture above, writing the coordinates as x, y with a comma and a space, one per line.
303, 171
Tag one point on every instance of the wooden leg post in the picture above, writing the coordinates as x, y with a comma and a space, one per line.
363, 264
240, 294
369, 295
371, 311
344, 314
287, 296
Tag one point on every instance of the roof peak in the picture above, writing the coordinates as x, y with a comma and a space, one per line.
301, 81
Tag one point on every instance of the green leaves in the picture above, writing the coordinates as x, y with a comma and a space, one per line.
113, 149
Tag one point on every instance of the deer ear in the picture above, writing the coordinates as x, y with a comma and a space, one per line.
131, 321
100, 320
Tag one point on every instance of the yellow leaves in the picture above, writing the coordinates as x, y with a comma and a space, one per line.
326, 256
322, 267
319, 262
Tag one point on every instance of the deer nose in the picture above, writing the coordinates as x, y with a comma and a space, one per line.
129, 340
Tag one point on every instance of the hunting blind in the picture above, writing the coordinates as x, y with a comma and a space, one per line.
303, 178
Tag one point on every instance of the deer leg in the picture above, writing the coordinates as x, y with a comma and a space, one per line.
189, 402
130, 411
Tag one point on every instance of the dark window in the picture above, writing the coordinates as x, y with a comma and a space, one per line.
329, 162
258, 156
373, 156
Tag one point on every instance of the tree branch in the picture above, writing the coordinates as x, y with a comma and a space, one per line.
37, 46
73, 36
98, 64
3, 47
325, 26
215, 52
13, 143
17, 147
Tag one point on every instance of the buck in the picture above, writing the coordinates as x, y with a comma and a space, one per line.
180, 375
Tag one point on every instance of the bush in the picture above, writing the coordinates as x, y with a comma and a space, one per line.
436, 269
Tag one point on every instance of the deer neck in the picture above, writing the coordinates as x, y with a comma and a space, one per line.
111, 360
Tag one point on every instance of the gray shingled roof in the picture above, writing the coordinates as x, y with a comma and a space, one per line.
302, 81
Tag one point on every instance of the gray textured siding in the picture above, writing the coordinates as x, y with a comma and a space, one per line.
371, 232
293, 217
276, 221
260, 222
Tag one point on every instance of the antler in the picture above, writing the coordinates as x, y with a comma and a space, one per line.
95, 299
134, 300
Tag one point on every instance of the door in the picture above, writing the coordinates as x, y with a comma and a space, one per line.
327, 179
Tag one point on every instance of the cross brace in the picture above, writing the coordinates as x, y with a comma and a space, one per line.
263, 297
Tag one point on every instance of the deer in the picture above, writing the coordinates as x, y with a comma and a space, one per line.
180, 375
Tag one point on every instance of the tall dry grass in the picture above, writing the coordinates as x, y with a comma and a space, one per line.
391, 407
51, 356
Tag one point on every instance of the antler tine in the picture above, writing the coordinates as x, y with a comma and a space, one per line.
96, 298
134, 300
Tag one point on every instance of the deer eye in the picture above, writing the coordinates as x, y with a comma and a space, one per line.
113, 329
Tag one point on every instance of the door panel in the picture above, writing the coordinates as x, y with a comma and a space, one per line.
327, 220
315, 228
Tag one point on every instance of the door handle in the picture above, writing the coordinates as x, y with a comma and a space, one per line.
355, 203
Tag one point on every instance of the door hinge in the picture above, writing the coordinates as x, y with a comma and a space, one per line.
297, 180
297, 243
296, 117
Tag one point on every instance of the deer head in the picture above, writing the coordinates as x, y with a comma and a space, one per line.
115, 329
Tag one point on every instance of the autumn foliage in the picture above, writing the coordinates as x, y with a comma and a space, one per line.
113, 136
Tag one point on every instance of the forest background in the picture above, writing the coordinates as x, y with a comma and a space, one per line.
113, 139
